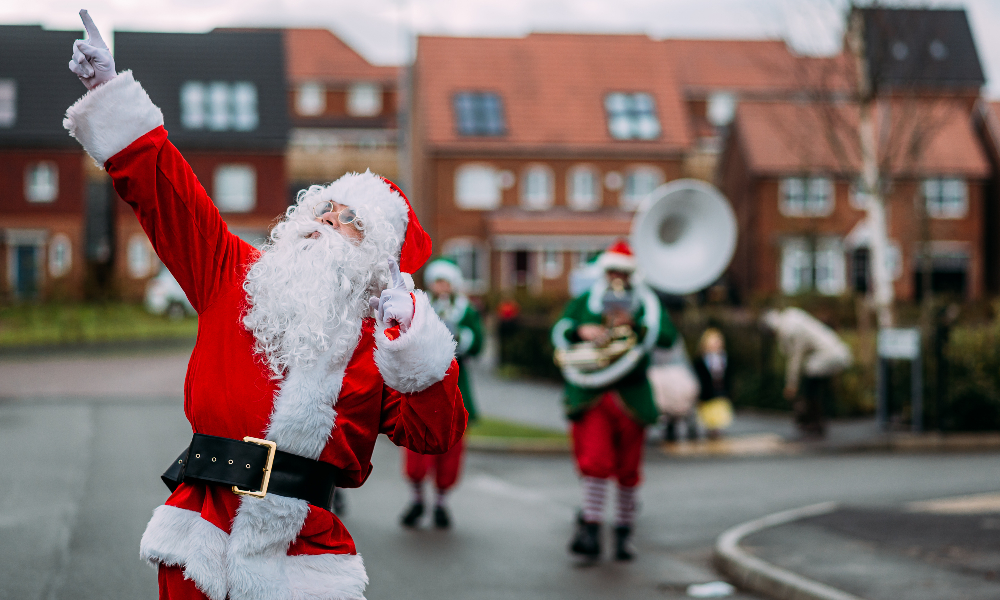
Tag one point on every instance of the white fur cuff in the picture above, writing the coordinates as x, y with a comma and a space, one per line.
110, 117
420, 357
179, 537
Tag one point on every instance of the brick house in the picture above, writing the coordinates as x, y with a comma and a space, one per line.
531, 154
342, 110
42, 182
802, 227
226, 114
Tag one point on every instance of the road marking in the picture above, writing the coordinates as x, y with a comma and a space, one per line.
498, 487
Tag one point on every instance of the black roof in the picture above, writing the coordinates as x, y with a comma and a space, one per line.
921, 48
163, 62
37, 60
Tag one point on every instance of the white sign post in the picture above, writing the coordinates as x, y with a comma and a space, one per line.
900, 344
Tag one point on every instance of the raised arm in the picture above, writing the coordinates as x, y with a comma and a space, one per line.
122, 130
422, 408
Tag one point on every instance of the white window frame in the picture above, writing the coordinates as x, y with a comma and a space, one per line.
219, 105
310, 99
945, 197
575, 198
234, 187
60, 255
364, 99
806, 196
553, 263
477, 187
630, 197
139, 256
457, 249
537, 187
8, 102
626, 121
803, 269
41, 182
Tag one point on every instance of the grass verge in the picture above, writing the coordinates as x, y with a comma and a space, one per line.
498, 428
54, 324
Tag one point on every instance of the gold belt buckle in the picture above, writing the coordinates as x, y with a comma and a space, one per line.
272, 447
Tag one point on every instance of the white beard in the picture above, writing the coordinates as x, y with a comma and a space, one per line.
307, 297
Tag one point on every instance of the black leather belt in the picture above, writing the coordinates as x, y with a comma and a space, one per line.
253, 467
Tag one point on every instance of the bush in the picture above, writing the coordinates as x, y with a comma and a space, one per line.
971, 399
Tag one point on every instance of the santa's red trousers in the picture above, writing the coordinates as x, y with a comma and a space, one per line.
173, 586
607, 442
446, 466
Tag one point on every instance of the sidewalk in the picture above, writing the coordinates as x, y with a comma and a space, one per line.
932, 550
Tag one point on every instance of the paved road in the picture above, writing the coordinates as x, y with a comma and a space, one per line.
79, 480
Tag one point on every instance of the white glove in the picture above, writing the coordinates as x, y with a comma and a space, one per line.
395, 305
92, 61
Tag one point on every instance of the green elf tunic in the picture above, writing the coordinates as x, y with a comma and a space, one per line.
627, 375
463, 321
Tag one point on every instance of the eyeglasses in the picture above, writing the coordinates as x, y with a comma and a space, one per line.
346, 216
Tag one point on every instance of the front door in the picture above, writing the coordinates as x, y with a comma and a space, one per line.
26, 260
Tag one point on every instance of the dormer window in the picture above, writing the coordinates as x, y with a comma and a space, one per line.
219, 106
631, 116
8, 102
479, 114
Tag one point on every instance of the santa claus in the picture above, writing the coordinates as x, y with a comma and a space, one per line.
288, 356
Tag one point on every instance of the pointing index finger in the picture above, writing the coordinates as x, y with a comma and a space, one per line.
397, 278
93, 35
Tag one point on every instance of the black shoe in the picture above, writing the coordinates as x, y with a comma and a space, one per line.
623, 543
587, 541
412, 516
442, 520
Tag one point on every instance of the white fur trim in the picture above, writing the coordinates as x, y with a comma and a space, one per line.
111, 116
421, 356
614, 261
366, 191
179, 537
442, 269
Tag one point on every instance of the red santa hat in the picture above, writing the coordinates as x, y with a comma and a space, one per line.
375, 197
618, 257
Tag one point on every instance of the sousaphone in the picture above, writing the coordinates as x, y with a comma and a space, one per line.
683, 237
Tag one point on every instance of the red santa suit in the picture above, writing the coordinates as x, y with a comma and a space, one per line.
240, 547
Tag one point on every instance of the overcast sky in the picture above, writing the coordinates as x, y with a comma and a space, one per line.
382, 30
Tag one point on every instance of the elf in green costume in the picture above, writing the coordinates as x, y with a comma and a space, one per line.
444, 280
610, 407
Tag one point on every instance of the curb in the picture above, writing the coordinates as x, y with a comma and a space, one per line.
751, 573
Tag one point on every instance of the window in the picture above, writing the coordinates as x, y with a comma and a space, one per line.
41, 182
219, 106
552, 264
473, 258
631, 116
235, 188
806, 196
8, 102
310, 99
536, 188
476, 187
639, 183
479, 114
946, 198
60, 255
364, 100
818, 266
139, 256
584, 192
721, 108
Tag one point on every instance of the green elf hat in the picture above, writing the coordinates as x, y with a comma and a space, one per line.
445, 268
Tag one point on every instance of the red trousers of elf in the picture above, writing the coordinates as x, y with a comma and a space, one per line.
607, 442
446, 466
173, 586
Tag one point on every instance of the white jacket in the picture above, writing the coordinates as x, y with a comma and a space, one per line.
810, 346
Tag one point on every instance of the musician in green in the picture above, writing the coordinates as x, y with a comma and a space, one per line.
610, 407
446, 285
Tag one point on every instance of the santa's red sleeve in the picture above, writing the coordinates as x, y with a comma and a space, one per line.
122, 130
422, 408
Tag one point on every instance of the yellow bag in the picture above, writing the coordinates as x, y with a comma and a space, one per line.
716, 414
